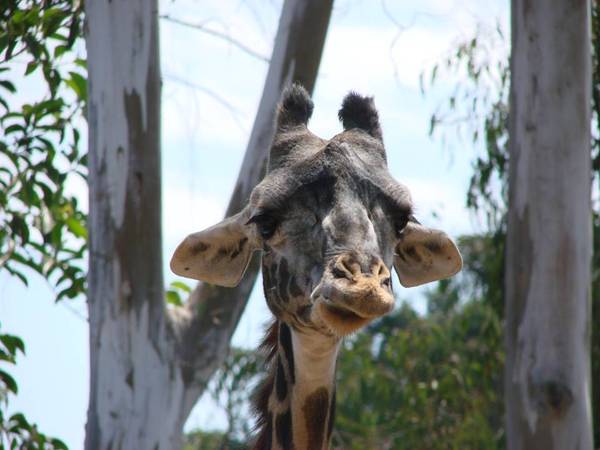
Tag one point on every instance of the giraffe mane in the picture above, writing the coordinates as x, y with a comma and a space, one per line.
260, 400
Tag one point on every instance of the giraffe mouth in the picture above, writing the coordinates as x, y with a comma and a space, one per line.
341, 320
347, 317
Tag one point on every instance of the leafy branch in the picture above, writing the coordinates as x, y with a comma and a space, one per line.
16, 432
42, 225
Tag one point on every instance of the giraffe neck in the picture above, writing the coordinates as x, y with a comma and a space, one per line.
298, 400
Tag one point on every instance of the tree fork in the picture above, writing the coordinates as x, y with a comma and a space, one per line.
213, 311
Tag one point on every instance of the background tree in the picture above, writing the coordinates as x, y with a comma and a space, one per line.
150, 364
549, 241
484, 117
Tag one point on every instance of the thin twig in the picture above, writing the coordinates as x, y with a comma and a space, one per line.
74, 311
257, 18
400, 29
218, 34
235, 113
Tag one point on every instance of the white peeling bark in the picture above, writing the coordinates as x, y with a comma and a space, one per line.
136, 392
547, 377
149, 367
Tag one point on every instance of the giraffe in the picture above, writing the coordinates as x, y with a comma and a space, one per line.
331, 222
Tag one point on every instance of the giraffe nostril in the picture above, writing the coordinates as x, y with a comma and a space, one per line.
348, 266
387, 282
345, 267
338, 272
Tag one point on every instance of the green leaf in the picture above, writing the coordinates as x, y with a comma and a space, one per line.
77, 227
12, 343
18, 17
31, 66
14, 128
9, 86
60, 50
50, 106
433, 74
19, 228
173, 298
16, 273
9, 382
58, 444
52, 21
20, 421
7, 357
78, 84
69, 292
182, 286
59, 37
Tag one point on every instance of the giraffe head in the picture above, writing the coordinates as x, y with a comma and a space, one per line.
331, 222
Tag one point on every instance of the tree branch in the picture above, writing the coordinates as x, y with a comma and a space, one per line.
219, 34
212, 313
235, 113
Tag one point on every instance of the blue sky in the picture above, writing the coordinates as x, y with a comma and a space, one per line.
203, 145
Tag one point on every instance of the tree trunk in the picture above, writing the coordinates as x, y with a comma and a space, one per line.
547, 378
135, 390
149, 365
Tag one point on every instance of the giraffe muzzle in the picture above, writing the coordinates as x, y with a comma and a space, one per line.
350, 295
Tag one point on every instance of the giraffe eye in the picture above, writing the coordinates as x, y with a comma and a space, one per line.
401, 224
265, 224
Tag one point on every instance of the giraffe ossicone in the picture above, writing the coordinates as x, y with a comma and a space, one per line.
331, 222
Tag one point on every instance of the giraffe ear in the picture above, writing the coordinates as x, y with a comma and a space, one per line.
424, 255
218, 255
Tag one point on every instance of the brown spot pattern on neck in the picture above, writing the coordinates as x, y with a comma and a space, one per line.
283, 430
280, 381
272, 402
315, 411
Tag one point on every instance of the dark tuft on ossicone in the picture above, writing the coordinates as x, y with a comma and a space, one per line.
295, 107
360, 112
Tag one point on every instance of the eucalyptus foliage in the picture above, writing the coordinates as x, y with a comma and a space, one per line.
42, 225
16, 432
